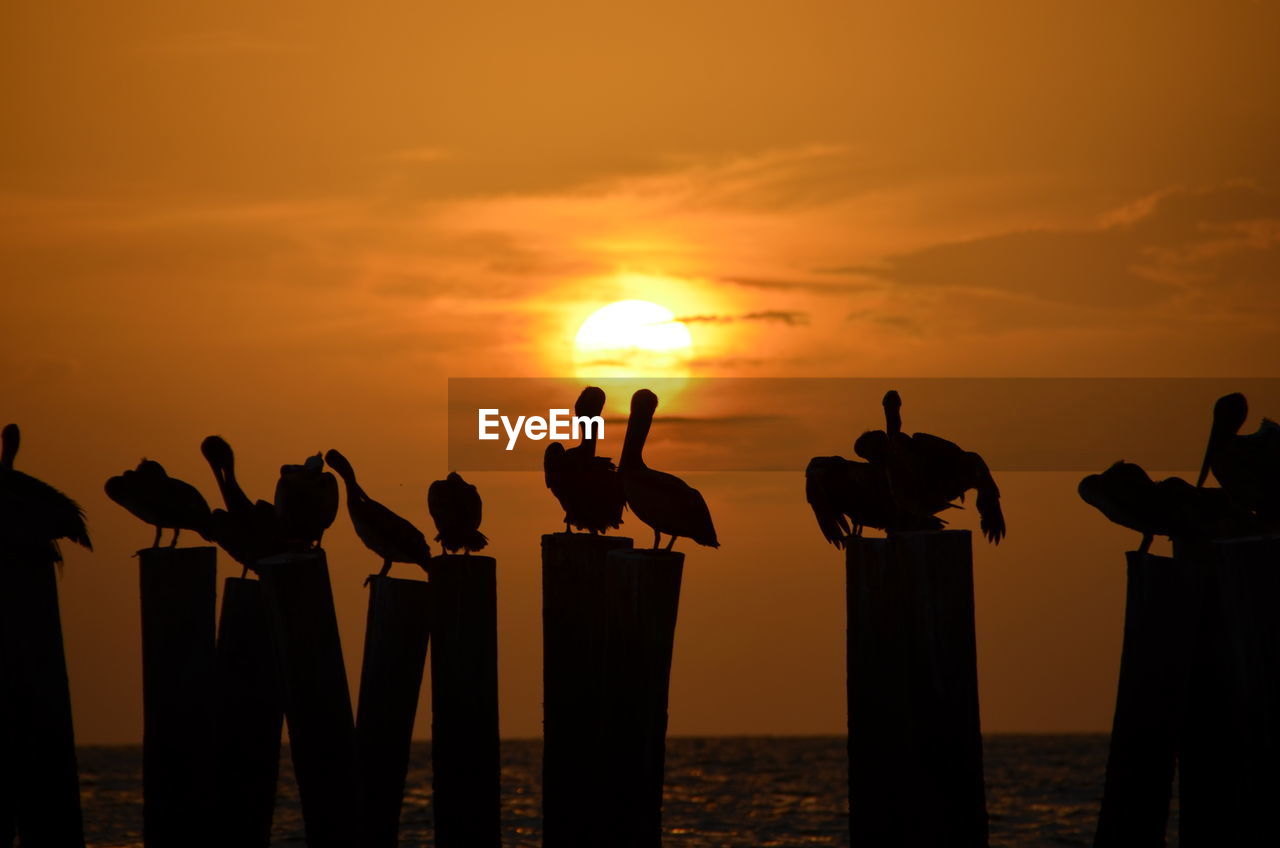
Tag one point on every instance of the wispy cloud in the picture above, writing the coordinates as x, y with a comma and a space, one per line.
790, 318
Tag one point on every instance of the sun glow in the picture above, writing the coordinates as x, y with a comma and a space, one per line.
632, 325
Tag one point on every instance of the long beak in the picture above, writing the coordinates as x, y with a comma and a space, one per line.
1209, 451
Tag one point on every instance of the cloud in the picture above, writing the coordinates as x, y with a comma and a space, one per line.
1147, 253
790, 318
768, 284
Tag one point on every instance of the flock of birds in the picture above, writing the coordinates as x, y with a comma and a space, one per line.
1246, 466
900, 482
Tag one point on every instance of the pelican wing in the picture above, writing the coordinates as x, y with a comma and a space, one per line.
824, 478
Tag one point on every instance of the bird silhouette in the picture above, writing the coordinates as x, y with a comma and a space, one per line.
33, 514
391, 537
1172, 507
587, 486
928, 474
306, 502
247, 530
663, 501
1246, 466
160, 500
847, 495
455, 507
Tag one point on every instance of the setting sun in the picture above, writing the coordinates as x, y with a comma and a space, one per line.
628, 324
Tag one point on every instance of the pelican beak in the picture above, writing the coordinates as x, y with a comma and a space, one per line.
1210, 450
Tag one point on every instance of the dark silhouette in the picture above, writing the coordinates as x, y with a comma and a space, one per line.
847, 495
391, 537
306, 502
663, 501
33, 514
247, 530
927, 474
587, 486
455, 507
1127, 496
1247, 466
160, 500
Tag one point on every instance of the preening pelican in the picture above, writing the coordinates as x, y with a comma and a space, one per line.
1127, 496
847, 495
455, 507
391, 537
1247, 466
663, 501
927, 474
33, 514
587, 486
160, 500
247, 530
306, 502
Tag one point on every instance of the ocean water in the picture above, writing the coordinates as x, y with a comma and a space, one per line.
754, 792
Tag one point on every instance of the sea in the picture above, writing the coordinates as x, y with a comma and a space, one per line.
751, 792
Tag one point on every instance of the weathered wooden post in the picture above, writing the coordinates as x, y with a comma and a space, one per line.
1163, 607
915, 738
178, 700
317, 700
466, 772
573, 638
641, 602
1229, 781
38, 771
395, 653
250, 718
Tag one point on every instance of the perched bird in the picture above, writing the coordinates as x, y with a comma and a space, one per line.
455, 507
663, 501
306, 502
391, 537
847, 495
927, 474
33, 514
587, 486
247, 530
160, 500
1172, 507
1247, 466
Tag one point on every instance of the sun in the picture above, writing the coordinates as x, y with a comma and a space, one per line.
632, 340
628, 325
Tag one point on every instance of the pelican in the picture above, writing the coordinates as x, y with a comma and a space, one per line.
587, 486
33, 514
306, 501
1247, 466
1172, 507
663, 501
927, 473
247, 530
455, 507
388, 535
847, 495
160, 500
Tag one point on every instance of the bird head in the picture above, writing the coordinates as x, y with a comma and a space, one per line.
892, 404
644, 401
590, 402
218, 453
339, 463
314, 464
892, 400
9, 452
150, 468
872, 445
1229, 414
456, 479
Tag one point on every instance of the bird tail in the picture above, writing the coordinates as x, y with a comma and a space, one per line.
990, 516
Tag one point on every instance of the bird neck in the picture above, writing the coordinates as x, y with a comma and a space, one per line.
892, 420
9, 448
354, 492
637, 432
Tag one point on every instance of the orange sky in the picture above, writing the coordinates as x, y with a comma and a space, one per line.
290, 223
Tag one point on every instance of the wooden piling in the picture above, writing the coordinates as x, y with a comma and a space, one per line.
397, 629
250, 718
317, 700
641, 602
466, 772
1163, 604
915, 738
178, 670
1229, 780
573, 638
38, 774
